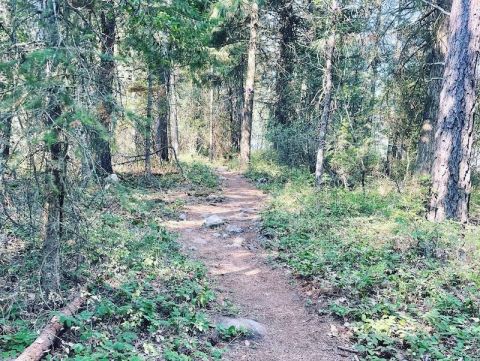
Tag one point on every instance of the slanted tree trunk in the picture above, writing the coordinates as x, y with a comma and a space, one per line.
451, 171
325, 106
435, 62
247, 113
106, 74
172, 96
162, 141
148, 125
56, 164
42, 344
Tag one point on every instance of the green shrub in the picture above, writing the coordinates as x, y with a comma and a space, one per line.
408, 288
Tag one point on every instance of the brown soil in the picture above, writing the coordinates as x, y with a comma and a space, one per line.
241, 274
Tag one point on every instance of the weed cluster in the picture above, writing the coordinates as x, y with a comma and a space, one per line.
407, 289
146, 299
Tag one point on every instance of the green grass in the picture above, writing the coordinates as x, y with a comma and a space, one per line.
406, 288
147, 300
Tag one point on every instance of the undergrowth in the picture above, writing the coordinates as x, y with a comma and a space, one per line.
405, 288
146, 299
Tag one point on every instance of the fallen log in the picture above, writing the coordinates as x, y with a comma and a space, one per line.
47, 337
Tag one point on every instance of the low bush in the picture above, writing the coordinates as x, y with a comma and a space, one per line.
406, 289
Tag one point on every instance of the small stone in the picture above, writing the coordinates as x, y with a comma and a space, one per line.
192, 248
214, 198
233, 229
216, 234
213, 221
182, 216
253, 328
238, 241
200, 241
112, 178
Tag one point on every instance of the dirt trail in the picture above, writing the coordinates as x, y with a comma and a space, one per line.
241, 275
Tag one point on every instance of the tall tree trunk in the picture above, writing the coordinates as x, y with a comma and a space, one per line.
451, 171
172, 96
435, 62
5, 134
236, 105
211, 148
284, 107
106, 75
56, 164
247, 113
326, 103
233, 119
6, 115
148, 125
162, 141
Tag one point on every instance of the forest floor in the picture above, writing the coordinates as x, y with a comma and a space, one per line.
243, 276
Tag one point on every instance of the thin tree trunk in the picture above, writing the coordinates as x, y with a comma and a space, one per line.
284, 108
233, 122
172, 96
435, 62
6, 115
211, 147
247, 113
56, 164
162, 120
326, 106
148, 124
106, 74
5, 134
451, 171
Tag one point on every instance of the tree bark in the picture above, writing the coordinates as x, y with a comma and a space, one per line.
284, 108
172, 96
106, 75
435, 62
56, 165
5, 134
148, 125
328, 88
451, 171
6, 115
247, 113
211, 148
36, 351
162, 141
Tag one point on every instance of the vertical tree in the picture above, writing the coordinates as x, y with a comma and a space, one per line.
284, 107
211, 122
325, 105
148, 124
57, 147
172, 106
106, 76
434, 62
247, 113
162, 139
451, 171
6, 114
